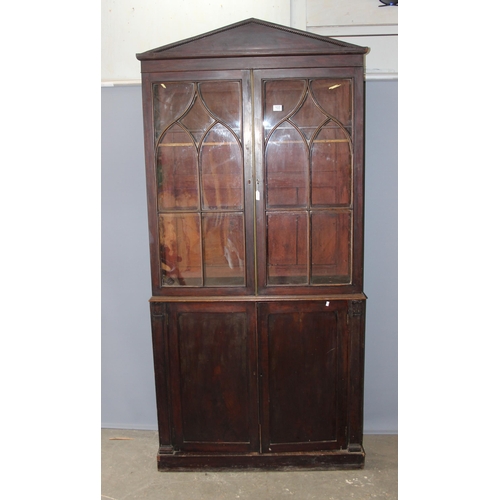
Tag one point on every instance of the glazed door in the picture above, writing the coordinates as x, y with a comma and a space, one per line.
308, 162
214, 380
200, 173
303, 370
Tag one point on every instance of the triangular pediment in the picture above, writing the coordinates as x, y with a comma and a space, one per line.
252, 37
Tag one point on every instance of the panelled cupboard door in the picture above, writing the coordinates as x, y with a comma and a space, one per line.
303, 369
309, 170
213, 374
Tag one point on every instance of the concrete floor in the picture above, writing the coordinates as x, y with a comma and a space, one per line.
129, 472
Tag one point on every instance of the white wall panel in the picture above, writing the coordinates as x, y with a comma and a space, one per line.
129, 27
362, 22
382, 60
357, 14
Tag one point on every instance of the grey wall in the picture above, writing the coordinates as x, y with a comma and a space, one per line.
381, 257
128, 399
127, 391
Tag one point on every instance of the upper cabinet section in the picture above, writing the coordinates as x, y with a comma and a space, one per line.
254, 163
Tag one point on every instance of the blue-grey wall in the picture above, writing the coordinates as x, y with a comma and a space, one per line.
381, 257
128, 399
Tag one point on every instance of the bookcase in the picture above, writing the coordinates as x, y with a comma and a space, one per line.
255, 164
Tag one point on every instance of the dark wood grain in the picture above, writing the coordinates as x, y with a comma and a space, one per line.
301, 347
214, 377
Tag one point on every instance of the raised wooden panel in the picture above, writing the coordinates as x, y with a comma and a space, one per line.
214, 377
303, 365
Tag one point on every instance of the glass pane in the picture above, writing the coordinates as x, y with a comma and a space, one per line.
286, 248
180, 252
308, 118
331, 167
330, 248
223, 99
224, 249
170, 102
221, 170
197, 121
177, 171
334, 96
281, 97
287, 168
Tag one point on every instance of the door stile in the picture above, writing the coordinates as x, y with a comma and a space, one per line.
159, 324
264, 400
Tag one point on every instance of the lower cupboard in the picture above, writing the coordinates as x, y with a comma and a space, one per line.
274, 384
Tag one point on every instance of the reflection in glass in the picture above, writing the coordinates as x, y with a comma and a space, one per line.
224, 250
308, 169
287, 248
330, 247
308, 118
180, 254
331, 167
281, 98
287, 168
223, 99
170, 102
199, 169
221, 170
334, 96
177, 171
197, 121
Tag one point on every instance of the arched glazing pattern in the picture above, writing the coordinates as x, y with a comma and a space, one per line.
307, 128
170, 101
199, 173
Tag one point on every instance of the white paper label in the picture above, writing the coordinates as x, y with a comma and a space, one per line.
257, 195
277, 107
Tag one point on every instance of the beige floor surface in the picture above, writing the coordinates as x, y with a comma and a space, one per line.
129, 472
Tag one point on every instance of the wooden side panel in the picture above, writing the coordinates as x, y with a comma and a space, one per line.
214, 377
159, 327
303, 369
356, 318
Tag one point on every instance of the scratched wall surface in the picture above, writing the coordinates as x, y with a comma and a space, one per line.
127, 376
